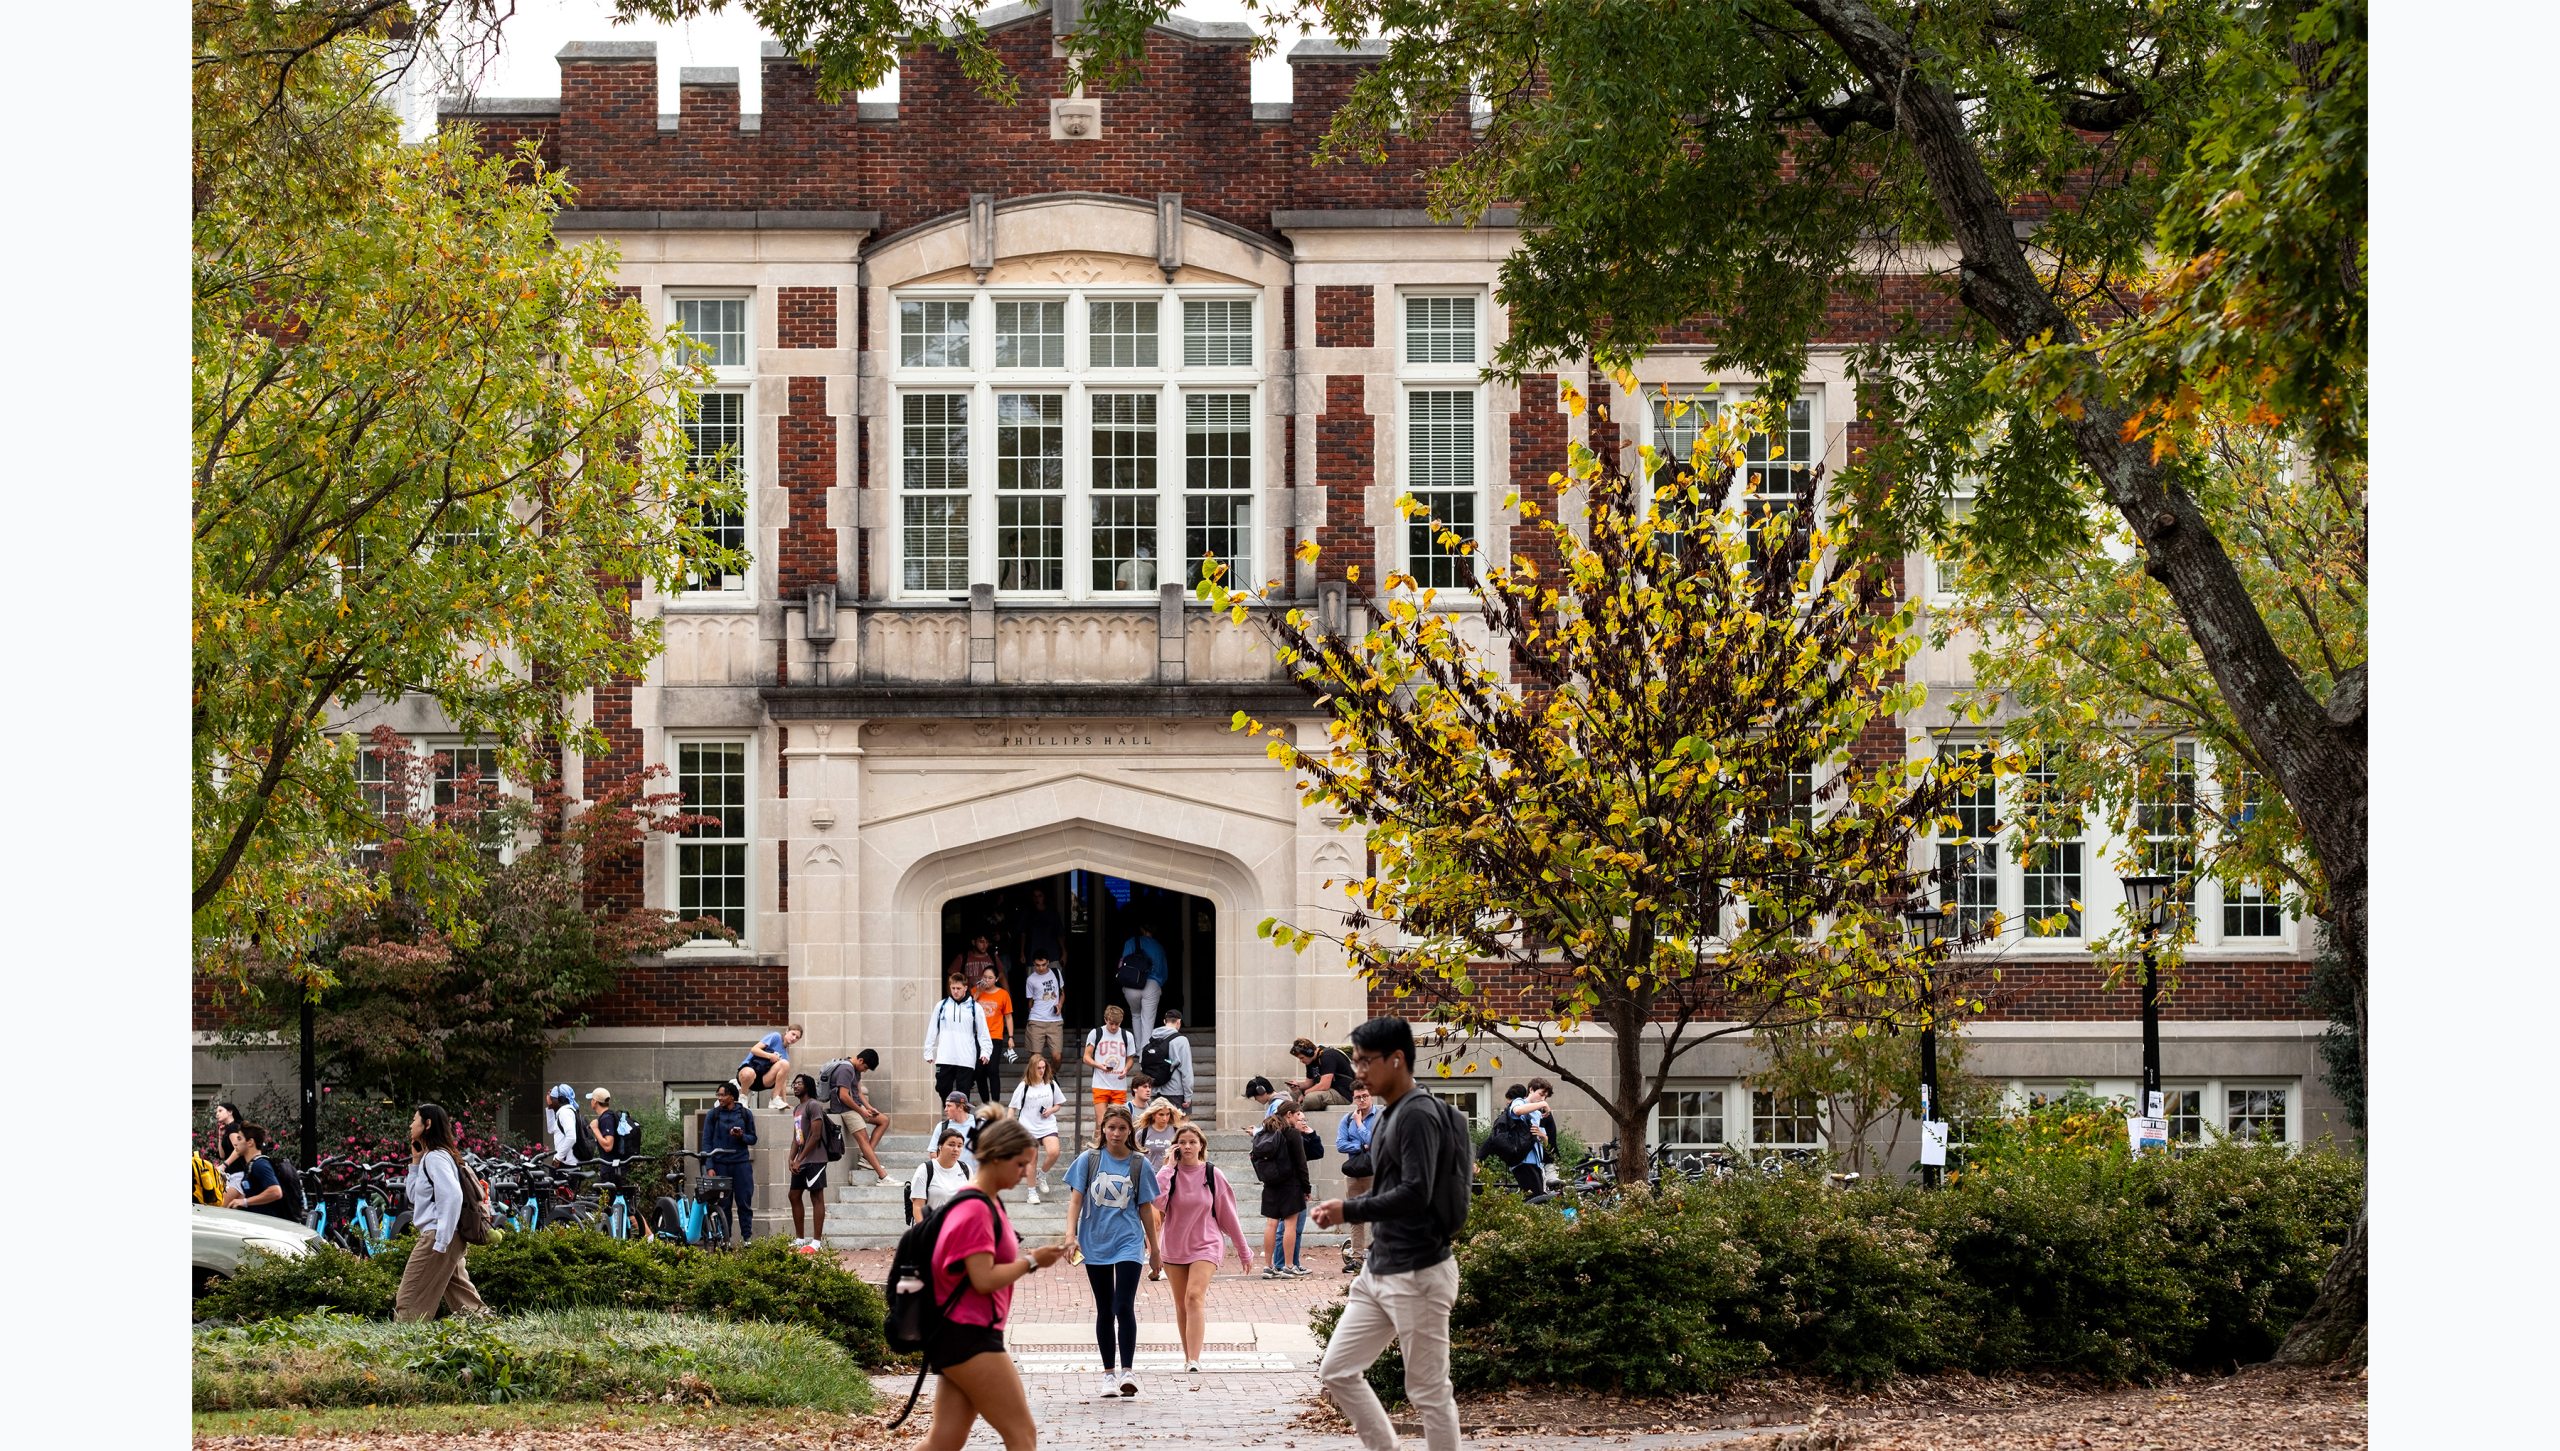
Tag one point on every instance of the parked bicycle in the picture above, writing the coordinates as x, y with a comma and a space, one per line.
699, 1212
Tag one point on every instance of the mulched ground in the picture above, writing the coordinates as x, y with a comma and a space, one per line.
2259, 1410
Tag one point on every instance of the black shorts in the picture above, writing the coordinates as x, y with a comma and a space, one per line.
955, 1342
762, 1077
813, 1178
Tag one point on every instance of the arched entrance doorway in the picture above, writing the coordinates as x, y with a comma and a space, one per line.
1083, 918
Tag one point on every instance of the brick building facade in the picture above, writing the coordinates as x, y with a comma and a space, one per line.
989, 370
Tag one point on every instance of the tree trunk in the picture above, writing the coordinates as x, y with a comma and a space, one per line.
2332, 1331
2316, 752
1627, 1107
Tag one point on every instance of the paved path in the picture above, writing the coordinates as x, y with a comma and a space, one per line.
1257, 1374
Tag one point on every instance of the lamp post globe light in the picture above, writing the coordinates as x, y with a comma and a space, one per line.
2145, 894
1925, 926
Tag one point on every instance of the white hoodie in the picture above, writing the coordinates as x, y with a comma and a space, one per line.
954, 1043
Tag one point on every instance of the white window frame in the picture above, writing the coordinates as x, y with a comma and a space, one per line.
422, 803
1452, 377
1076, 382
1940, 840
1936, 589
737, 378
1750, 1124
674, 848
2212, 1097
1658, 1133
1478, 1093
726, 373
691, 1097
2015, 869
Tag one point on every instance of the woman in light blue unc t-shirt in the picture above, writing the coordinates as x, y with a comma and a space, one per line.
1112, 1218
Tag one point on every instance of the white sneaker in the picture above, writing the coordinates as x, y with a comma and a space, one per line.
1035, 1193
1128, 1382
1108, 1388
1193, 1367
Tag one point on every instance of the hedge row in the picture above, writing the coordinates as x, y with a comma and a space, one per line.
562, 1269
2112, 1267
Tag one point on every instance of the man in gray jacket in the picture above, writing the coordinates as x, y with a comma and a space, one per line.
1421, 1186
1175, 1085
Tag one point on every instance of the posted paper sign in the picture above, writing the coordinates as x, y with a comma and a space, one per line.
1933, 1142
2147, 1133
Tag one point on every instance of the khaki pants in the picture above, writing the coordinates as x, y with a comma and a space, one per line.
1359, 1232
1322, 1099
1413, 1310
431, 1279
1049, 1038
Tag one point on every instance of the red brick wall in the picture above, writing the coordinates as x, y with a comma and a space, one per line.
654, 993
806, 449
2059, 992
1346, 317
1537, 454
808, 317
1346, 460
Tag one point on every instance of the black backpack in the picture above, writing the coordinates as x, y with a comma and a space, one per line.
1133, 969
834, 1137
587, 1149
1509, 1141
291, 1179
1156, 1060
913, 1314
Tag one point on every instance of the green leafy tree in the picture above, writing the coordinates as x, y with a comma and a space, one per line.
1641, 804
433, 450
1868, 1080
412, 1013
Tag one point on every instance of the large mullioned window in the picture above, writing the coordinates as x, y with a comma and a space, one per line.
1074, 444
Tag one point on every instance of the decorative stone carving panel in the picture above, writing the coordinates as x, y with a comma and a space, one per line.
1219, 649
917, 645
715, 650
1077, 647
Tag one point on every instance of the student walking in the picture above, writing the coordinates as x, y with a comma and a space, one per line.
955, 1117
840, 1085
1167, 1060
767, 1065
976, 1246
435, 1274
1111, 1051
997, 1004
1142, 973
1199, 1222
1351, 1139
560, 1121
1423, 1173
1112, 1218
1046, 988
955, 1040
808, 1163
1036, 1101
937, 1178
1279, 1157
261, 1190
728, 1136
1157, 1124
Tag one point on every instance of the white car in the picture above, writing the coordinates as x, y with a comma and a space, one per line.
225, 1238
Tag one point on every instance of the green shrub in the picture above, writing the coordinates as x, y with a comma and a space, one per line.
577, 1355
563, 1269
768, 1280
2044, 1257
271, 1287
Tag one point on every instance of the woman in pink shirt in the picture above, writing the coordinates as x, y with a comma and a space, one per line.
1199, 1206
976, 1242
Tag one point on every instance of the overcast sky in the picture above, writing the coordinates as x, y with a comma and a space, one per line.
526, 65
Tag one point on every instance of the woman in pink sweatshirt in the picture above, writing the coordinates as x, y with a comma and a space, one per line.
1199, 1205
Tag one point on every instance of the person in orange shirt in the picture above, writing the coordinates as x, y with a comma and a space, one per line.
997, 1004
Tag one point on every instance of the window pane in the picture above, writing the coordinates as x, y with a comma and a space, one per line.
456, 764
715, 447
2049, 851
1031, 440
935, 541
1783, 1122
1217, 334
1031, 334
2184, 1108
2252, 909
1122, 334
2255, 1115
2165, 817
1124, 440
1219, 525
717, 329
1124, 541
711, 881
1693, 1118
934, 439
934, 334
1439, 329
1440, 473
1968, 855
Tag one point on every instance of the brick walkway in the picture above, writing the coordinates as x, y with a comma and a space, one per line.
1257, 1376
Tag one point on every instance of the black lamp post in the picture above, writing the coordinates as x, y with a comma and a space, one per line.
1924, 927
2145, 894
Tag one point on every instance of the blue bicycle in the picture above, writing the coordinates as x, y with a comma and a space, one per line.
698, 1213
